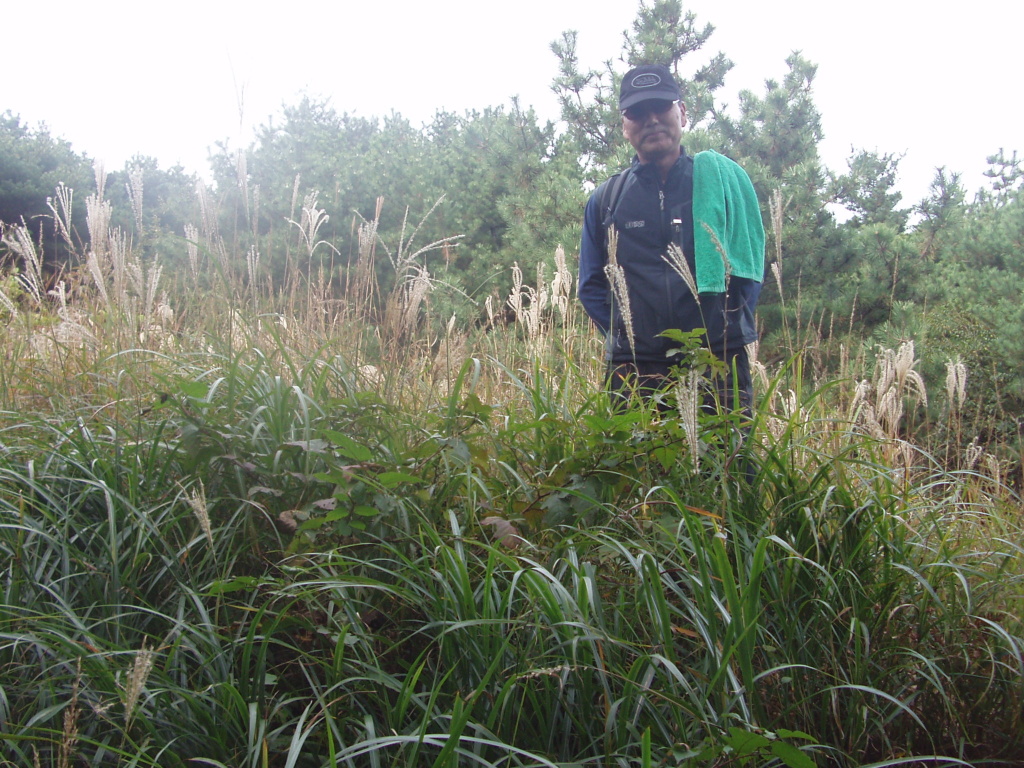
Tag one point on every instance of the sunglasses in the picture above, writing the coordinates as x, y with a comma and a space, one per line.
640, 111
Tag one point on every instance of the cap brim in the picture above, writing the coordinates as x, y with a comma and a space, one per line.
633, 99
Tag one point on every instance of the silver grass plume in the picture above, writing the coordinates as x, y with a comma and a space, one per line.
252, 264
972, 453
757, 368
994, 469
895, 379
62, 218
538, 303
687, 401
775, 208
69, 734
515, 299
617, 280
956, 384
417, 289
677, 260
312, 220
207, 214
196, 498
192, 241
18, 239
561, 284
134, 188
7, 304
137, 676
721, 252
92, 263
101, 178
295, 195
120, 256
97, 220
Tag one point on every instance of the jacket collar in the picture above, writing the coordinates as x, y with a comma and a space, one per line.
649, 170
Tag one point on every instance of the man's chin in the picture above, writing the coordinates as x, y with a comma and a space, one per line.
656, 150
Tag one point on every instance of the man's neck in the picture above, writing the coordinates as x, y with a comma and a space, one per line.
663, 163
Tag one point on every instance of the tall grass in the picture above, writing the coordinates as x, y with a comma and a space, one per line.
269, 530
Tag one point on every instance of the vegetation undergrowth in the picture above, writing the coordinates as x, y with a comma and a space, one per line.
260, 554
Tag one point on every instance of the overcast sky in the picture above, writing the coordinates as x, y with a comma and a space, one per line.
935, 82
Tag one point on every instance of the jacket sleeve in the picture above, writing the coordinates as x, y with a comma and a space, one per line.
594, 291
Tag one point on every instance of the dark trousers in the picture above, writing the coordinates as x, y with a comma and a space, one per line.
648, 378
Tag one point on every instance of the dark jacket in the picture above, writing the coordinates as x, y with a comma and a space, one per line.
647, 217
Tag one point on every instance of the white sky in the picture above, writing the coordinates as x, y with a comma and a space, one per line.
932, 80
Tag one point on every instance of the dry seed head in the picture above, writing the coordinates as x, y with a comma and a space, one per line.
100, 175
119, 250
207, 214
561, 285
7, 304
956, 384
295, 195
18, 239
972, 453
92, 263
890, 411
97, 220
721, 252
907, 375
515, 299
620, 292
72, 330
196, 499
69, 734
776, 427
60, 292
133, 269
152, 286
371, 375
62, 218
687, 399
252, 264
134, 188
192, 241
137, 676
994, 469
548, 672
677, 260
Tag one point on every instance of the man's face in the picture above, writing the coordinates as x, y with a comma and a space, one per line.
654, 128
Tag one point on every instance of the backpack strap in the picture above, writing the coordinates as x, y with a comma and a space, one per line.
609, 194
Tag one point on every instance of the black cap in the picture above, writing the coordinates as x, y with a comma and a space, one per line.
648, 81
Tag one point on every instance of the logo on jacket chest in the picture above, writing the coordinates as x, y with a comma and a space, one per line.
634, 224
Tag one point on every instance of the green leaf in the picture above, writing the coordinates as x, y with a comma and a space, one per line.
745, 742
473, 406
784, 733
365, 511
196, 390
393, 479
347, 447
792, 756
312, 446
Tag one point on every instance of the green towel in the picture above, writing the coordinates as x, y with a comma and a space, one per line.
724, 200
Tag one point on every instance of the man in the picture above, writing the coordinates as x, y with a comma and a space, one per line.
645, 228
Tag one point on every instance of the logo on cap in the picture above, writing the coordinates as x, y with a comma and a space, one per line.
645, 80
